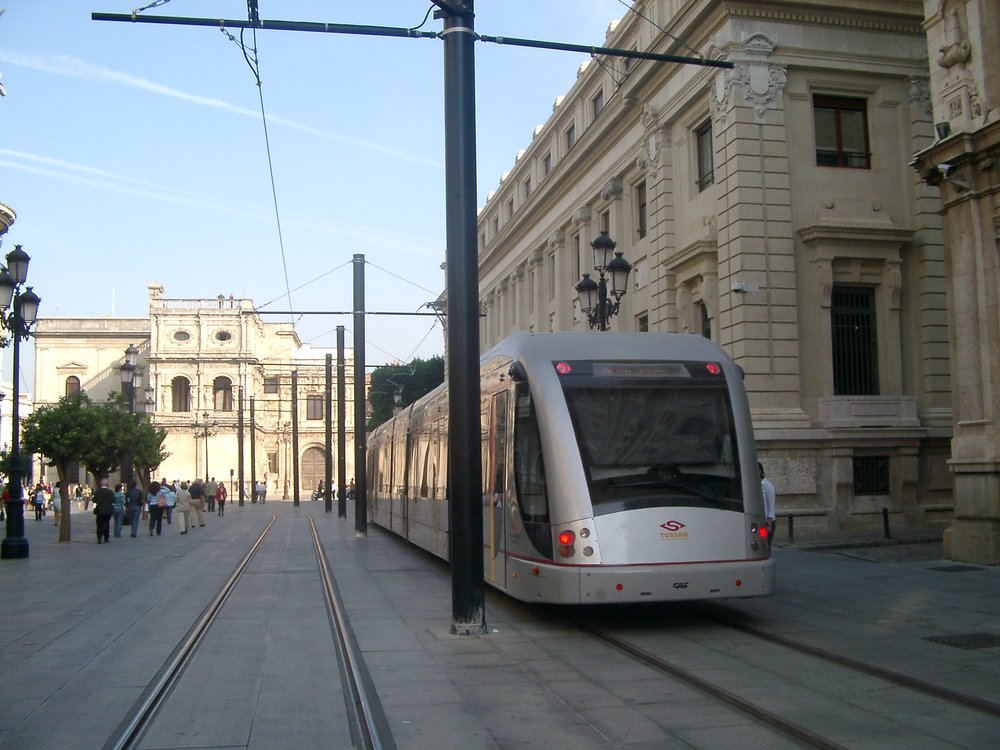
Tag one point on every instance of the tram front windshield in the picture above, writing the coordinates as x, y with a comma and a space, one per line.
655, 436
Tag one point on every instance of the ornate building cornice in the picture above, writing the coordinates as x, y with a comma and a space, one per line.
813, 18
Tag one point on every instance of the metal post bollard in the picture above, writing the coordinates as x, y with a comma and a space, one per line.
791, 529
885, 523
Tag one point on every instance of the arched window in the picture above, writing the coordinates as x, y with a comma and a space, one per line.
180, 391
222, 393
72, 385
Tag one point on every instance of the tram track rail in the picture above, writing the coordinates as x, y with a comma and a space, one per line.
772, 719
363, 716
898, 678
366, 729
728, 697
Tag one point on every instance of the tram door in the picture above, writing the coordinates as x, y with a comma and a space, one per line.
497, 490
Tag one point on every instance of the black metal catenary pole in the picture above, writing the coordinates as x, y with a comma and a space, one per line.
253, 455
295, 438
360, 443
464, 460
341, 427
328, 433
240, 431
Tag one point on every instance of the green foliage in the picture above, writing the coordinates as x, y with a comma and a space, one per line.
414, 380
61, 432
96, 435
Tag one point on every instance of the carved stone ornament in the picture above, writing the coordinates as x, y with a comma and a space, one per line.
975, 103
557, 239
824, 283
657, 138
581, 216
650, 117
893, 283
721, 100
613, 189
760, 81
956, 49
920, 95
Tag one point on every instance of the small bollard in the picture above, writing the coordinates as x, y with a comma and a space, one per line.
791, 529
885, 523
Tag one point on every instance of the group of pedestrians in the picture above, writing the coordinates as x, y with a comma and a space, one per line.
160, 501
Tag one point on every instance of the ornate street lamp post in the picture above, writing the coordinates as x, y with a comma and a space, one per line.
594, 299
128, 374
24, 311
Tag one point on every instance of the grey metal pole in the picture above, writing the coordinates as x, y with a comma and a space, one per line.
360, 441
239, 446
341, 426
253, 455
465, 463
328, 435
295, 438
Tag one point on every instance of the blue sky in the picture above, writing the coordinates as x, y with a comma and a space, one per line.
135, 153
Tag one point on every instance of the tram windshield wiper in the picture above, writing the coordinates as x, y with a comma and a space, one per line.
710, 486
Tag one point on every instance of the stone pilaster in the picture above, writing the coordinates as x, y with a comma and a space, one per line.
755, 238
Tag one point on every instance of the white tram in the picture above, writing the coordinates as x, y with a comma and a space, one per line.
617, 467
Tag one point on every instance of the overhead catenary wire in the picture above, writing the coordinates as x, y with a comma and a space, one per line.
632, 9
254, 64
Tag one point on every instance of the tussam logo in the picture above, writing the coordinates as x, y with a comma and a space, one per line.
672, 530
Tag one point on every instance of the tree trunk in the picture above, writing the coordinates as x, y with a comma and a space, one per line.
66, 498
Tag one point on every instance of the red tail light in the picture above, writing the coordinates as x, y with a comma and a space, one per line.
566, 538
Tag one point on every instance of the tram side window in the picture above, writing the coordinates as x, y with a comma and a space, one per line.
529, 473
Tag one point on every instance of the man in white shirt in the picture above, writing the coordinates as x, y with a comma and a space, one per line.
768, 489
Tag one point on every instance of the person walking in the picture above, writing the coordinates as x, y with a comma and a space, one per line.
104, 505
57, 502
211, 491
169, 492
134, 503
88, 495
118, 511
769, 497
261, 492
221, 496
183, 506
38, 501
78, 496
153, 500
197, 490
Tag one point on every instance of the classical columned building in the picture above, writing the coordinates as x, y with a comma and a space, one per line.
201, 363
770, 207
963, 167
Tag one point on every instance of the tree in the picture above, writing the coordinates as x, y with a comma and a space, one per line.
414, 380
62, 433
76, 430
147, 450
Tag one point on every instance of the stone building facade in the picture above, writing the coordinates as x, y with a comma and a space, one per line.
770, 207
196, 357
963, 42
